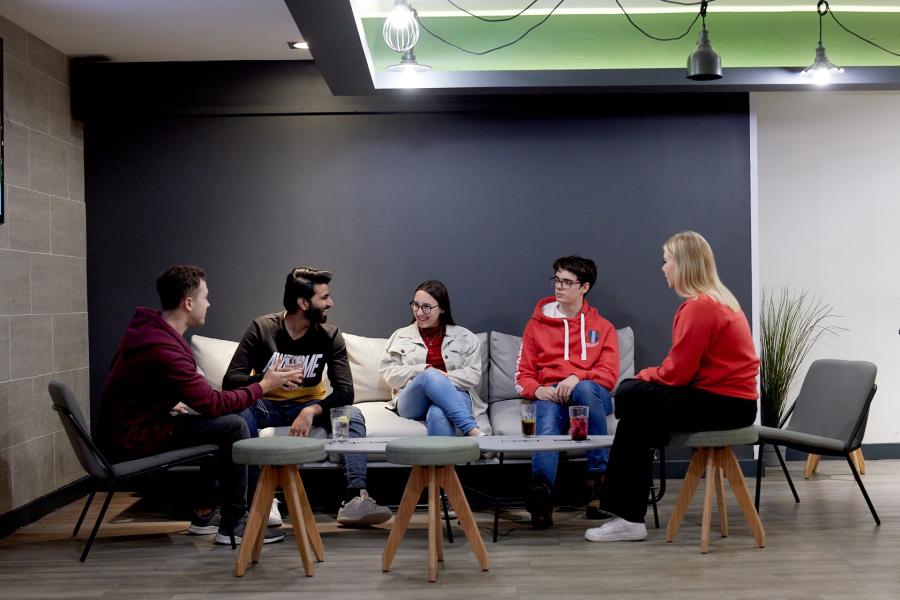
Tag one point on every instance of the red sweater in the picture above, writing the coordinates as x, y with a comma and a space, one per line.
153, 370
712, 350
592, 353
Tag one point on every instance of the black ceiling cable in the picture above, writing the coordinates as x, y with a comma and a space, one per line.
488, 51
702, 4
487, 20
827, 10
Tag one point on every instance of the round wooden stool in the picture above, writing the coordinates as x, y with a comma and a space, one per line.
279, 457
713, 453
432, 460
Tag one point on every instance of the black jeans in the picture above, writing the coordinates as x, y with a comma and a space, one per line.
648, 413
223, 431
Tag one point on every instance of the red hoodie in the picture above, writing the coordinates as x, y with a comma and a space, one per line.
712, 350
585, 345
153, 370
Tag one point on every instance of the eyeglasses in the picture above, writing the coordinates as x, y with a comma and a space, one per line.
425, 308
562, 283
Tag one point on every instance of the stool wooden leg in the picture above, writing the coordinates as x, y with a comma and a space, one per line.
739, 487
433, 528
720, 495
312, 530
860, 462
709, 485
298, 522
256, 522
457, 496
812, 461
439, 511
411, 494
691, 481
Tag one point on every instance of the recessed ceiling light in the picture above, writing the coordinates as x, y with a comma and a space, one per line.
301, 45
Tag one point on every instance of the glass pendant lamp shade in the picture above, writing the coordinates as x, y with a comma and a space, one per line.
401, 28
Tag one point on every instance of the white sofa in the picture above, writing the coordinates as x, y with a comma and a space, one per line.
498, 355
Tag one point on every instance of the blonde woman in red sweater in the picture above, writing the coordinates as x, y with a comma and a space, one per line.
706, 382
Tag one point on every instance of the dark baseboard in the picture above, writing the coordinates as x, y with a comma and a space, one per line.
870, 452
34, 510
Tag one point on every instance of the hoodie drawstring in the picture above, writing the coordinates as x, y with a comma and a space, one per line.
566, 343
583, 344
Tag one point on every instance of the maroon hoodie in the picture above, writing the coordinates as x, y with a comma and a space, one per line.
153, 371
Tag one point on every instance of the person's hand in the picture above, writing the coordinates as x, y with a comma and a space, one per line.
303, 423
181, 408
564, 389
545, 393
283, 378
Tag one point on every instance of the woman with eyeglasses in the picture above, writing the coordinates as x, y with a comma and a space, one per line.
707, 382
434, 365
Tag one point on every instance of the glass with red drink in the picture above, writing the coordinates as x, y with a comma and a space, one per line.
578, 423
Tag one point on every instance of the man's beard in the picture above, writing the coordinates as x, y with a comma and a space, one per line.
316, 315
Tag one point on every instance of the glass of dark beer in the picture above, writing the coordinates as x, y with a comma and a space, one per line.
529, 419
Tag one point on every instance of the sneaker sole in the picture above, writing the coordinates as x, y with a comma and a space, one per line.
224, 540
373, 519
207, 530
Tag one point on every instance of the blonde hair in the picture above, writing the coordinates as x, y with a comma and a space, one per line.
695, 269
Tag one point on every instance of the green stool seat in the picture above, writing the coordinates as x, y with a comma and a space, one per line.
432, 450
717, 439
278, 450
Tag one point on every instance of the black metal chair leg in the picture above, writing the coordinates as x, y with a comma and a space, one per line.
786, 474
444, 505
84, 510
90, 541
862, 488
759, 472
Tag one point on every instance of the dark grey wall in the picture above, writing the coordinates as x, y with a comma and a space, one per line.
482, 199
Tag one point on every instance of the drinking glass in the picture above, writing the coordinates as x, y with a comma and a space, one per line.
578, 423
340, 423
529, 419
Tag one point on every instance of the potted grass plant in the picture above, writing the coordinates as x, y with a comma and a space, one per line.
790, 325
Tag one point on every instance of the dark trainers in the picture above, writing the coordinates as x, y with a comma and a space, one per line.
222, 535
540, 505
205, 525
593, 510
594, 484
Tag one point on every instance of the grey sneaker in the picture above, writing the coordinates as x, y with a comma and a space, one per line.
363, 510
205, 525
222, 535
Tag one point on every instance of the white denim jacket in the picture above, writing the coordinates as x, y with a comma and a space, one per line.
405, 353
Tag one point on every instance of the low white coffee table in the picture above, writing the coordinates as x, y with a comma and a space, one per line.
501, 444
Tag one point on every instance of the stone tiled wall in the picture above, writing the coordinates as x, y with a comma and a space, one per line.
43, 277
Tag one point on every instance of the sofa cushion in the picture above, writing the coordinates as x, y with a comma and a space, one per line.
381, 422
504, 354
364, 354
213, 356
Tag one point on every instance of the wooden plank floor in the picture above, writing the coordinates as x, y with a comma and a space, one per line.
825, 547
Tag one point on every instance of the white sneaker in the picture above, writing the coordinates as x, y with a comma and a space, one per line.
274, 515
363, 510
617, 530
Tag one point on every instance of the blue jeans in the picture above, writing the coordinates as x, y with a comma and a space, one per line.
268, 413
432, 397
553, 419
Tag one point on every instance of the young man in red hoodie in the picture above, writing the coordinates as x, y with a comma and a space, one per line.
569, 356
156, 400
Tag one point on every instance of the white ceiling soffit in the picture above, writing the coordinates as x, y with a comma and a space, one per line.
487, 8
161, 30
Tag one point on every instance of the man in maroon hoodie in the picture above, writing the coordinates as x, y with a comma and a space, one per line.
154, 375
569, 356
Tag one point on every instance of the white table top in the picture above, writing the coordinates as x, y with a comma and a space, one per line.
488, 443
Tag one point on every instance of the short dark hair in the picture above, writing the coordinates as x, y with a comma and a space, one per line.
177, 283
438, 291
301, 283
583, 268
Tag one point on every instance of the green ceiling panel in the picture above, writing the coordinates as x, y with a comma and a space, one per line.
609, 42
